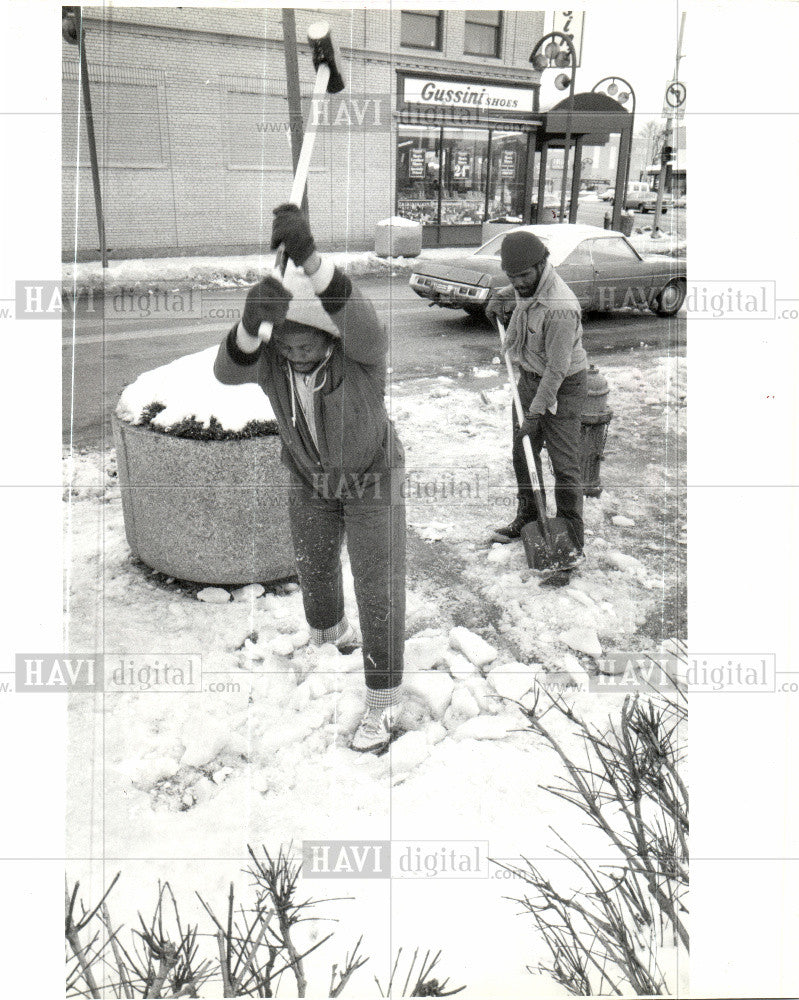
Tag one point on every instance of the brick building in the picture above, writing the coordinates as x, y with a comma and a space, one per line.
191, 118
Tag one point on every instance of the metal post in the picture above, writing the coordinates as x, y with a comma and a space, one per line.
87, 105
293, 91
622, 172
542, 181
664, 156
529, 175
576, 176
567, 140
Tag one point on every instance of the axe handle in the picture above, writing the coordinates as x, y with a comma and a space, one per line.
308, 139
304, 161
535, 481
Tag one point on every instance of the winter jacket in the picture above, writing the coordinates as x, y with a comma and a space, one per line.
354, 436
545, 336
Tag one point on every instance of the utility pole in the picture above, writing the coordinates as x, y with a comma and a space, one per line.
666, 149
74, 33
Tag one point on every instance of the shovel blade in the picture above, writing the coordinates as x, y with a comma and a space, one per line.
539, 554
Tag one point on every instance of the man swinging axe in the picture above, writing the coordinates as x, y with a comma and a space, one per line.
315, 345
544, 338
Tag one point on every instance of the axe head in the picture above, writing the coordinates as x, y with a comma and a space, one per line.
322, 52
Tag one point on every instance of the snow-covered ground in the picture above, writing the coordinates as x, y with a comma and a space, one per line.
175, 785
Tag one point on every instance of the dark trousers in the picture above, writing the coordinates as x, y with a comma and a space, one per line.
373, 521
561, 432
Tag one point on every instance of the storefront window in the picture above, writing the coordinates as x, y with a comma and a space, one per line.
444, 176
418, 152
506, 182
464, 169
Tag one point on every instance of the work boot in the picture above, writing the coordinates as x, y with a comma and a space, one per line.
374, 731
524, 514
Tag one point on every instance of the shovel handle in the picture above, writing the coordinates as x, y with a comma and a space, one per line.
532, 462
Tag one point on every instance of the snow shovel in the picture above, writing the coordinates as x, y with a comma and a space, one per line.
547, 540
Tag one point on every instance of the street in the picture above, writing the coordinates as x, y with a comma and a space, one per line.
115, 341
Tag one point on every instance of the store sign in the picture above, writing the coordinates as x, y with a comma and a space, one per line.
571, 23
507, 167
468, 96
462, 168
416, 164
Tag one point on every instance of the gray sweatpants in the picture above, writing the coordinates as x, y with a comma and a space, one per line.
373, 519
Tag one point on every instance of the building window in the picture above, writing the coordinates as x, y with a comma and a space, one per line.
448, 176
129, 121
421, 29
464, 168
418, 172
483, 33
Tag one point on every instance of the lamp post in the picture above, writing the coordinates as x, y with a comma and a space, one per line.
555, 50
622, 93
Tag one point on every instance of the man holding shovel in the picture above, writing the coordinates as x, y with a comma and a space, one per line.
544, 338
316, 347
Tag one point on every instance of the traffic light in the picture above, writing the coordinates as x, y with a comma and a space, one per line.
70, 19
668, 152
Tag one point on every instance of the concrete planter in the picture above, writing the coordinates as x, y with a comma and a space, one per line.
398, 241
207, 511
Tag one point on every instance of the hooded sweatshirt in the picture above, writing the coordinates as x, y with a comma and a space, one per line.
350, 433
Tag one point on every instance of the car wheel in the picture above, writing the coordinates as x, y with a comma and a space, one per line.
643, 209
663, 210
670, 299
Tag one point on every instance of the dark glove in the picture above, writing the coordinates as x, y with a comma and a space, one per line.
529, 427
290, 227
268, 301
499, 308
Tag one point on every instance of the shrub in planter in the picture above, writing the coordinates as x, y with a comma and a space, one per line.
203, 489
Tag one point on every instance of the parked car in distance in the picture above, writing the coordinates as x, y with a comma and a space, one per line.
679, 201
600, 266
641, 198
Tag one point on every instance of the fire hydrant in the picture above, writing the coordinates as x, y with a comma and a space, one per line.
595, 421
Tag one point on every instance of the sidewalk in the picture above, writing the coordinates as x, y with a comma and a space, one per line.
177, 273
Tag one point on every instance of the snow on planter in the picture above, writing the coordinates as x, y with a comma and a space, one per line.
203, 489
186, 393
398, 237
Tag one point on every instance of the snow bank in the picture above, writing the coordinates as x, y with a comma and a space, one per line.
399, 222
186, 388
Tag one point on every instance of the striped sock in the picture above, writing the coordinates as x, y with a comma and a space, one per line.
319, 636
383, 698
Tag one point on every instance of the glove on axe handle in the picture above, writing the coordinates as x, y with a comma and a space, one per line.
328, 80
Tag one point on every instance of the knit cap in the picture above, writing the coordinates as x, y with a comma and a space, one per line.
520, 251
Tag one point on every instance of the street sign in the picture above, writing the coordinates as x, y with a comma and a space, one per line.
571, 23
675, 94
